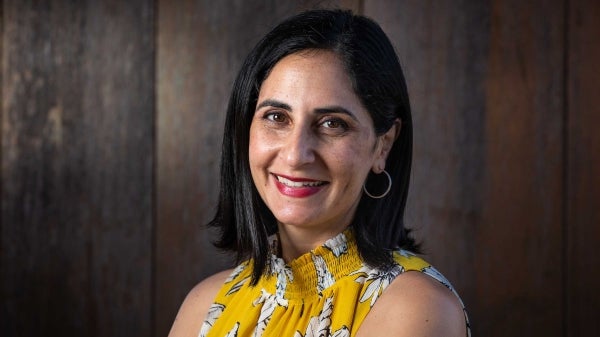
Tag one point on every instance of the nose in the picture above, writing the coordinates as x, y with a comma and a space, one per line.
299, 148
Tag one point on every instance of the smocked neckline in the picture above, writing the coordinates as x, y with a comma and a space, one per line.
316, 271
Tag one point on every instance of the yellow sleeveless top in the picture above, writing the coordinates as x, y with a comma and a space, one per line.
325, 292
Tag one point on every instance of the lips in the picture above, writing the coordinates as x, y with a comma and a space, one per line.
297, 187
299, 183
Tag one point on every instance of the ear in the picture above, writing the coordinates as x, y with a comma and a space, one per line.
384, 146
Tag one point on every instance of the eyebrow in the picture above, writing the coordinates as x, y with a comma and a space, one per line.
320, 111
335, 109
274, 103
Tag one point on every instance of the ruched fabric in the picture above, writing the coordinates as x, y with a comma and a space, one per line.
325, 292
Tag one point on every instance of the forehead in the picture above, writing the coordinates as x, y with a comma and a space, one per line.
311, 59
318, 74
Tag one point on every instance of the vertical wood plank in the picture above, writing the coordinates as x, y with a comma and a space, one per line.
583, 171
523, 208
486, 85
201, 45
443, 49
77, 168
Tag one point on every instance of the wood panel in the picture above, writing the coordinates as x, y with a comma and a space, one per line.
505, 184
583, 170
486, 85
523, 208
443, 50
201, 45
77, 168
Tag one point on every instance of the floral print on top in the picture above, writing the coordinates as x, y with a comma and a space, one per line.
326, 292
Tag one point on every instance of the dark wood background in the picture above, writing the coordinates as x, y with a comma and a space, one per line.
112, 116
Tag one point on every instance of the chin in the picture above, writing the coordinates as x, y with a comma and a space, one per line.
293, 221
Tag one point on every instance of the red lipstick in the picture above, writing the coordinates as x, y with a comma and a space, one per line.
305, 188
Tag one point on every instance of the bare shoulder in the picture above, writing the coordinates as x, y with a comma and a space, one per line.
196, 304
415, 304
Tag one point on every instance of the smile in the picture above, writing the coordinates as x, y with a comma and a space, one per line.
299, 184
298, 188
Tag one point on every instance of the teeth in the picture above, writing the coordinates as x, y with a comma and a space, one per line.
290, 183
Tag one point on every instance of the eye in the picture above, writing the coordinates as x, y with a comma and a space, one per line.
335, 124
276, 117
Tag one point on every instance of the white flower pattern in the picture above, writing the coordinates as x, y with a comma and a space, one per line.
236, 287
234, 331
376, 280
324, 277
326, 263
269, 304
283, 273
319, 326
236, 272
215, 310
337, 245
436, 275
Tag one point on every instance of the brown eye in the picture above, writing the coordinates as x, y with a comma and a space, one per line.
335, 124
276, 117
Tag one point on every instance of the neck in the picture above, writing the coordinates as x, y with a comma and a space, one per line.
296, 241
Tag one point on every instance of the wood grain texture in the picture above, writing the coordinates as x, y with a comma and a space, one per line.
102, 202
201, 45
442, 48
583, 171
486, 85
77, 166
523, 208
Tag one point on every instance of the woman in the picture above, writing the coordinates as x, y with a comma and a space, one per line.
314, 180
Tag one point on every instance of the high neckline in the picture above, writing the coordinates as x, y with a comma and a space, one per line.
310, 274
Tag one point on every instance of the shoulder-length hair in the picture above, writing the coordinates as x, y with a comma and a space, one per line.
244, 220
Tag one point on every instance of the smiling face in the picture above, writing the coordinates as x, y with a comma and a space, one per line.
312, 143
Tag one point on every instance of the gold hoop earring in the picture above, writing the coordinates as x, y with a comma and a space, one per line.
384, 193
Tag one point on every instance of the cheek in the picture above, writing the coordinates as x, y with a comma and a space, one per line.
254, 142
364, 156
260, 148
256, 163
252, 147
353, 161
253, 152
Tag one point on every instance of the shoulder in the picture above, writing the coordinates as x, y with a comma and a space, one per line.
415, 304
196, 304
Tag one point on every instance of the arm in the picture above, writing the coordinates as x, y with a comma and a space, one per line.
415, 305
195, 306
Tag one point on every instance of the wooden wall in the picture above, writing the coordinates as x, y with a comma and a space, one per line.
77, 168
112, 116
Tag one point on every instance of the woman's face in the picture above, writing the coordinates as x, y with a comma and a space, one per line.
312, 143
